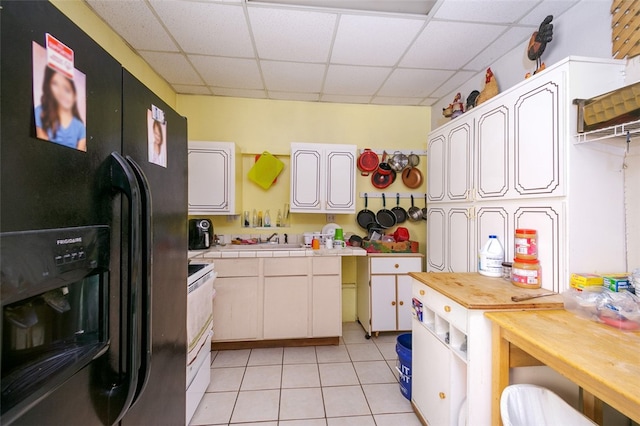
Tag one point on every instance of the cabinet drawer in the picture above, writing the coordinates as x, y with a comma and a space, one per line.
285, 267
446, 308
237, 267
327, 265
396, 265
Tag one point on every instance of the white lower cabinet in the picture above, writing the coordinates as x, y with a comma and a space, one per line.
384, 291
286, 309
326, 307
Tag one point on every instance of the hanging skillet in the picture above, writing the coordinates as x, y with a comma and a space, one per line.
385, 217
365, 216
367, 162
414, 212
399, 212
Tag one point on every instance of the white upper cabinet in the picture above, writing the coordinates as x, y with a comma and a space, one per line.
214, 170
511, 163
323, 178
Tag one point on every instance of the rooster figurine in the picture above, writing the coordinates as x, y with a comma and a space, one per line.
538, 42
490, 88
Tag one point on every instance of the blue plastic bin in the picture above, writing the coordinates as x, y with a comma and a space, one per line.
403, 349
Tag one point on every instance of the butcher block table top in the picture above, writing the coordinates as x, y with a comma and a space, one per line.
475, 291
603, 360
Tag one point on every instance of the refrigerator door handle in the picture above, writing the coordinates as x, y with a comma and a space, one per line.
121, 394
146, 218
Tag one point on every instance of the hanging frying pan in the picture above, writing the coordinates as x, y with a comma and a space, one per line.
380, 180
424, 209
399, 212
365, 216
367, 162
385, 217
412, 177
414, 212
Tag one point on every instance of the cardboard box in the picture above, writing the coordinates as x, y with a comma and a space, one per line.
616, 282
388, 247
580, 281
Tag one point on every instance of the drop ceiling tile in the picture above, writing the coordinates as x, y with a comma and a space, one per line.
288, 96
344, 99
382, 100
350, 80
191, 90
228, 72
207, 28
173, 67
487, 11
373, 40
414, 83
547, 7
292, 35
292, 76
429, 101
238, 93
135, 23
449, 45
457, 80
507, 41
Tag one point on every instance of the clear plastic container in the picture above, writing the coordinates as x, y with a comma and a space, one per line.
491, 257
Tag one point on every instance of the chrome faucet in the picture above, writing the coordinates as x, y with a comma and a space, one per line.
271, 236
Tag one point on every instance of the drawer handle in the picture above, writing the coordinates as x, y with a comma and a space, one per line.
447, 308
401, 303
396, 266
421, 292
393, 303
442, 395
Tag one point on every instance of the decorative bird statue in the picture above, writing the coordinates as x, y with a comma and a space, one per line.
538, 42
490, 88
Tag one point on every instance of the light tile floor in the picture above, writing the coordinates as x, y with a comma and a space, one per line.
352, 384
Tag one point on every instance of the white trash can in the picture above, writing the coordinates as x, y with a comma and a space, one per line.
531, 405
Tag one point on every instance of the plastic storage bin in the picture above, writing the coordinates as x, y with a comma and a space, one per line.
531, 405
403, 349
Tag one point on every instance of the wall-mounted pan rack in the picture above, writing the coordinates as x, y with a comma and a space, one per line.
392, 195
392, 151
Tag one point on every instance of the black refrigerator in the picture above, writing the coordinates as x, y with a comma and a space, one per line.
93, 235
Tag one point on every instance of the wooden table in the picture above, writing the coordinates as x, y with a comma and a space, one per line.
602, 360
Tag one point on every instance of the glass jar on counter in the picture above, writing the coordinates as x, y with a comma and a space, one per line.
506, 271
526, 273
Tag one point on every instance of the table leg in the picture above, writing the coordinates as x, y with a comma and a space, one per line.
500, 374
591, 406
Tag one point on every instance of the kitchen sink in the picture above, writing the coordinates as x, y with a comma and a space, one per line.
263, 246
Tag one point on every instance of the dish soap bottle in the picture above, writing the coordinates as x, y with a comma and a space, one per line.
491, 257
267, 219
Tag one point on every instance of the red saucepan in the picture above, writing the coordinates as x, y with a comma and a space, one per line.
367, 162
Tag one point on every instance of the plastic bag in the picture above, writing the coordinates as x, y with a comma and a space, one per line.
617, 309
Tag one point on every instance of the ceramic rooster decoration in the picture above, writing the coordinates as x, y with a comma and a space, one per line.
490, 88
538, 42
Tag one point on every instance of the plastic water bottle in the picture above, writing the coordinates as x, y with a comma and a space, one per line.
491, 257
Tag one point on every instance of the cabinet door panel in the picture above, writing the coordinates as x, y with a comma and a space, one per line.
492, 153
235, 309
494, 220
436, 240
436, 161
459, 163
383, 302
286, 307
459, 239
340, 180
537, 142
431, 377
327, 306
404, 302
306, 166
209, 179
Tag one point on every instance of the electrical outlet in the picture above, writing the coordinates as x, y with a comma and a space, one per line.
331, 218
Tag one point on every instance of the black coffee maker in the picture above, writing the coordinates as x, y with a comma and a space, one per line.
200, 234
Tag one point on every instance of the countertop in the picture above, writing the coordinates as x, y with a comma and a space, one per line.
475, 291
229, 252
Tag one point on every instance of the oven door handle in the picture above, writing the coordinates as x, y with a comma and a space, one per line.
146, 221
120, 393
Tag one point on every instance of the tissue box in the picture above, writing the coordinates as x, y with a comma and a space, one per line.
580, 281
616, 282
389, 247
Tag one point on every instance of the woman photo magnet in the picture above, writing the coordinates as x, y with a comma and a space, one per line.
59, 95
157, 136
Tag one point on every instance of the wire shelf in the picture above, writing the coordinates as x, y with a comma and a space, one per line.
618, 131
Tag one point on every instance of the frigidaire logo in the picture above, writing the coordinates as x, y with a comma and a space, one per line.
69, 241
